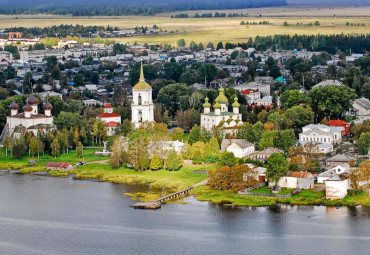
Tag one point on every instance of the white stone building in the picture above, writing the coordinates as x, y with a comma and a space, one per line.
337, 186
340, 169
296, 180
320, 137
361, 107
29, 120
39, 55
239, 147
111, 118
6, 56
142, 107
221, 117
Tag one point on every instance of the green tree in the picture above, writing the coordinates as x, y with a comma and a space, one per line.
292, 98
299, 116
181, 43
19, 147
268, 139
194, 135
277, 167
285, 139
6, 144
331, 101
68, 120
156, 163
363, 143
80, 150
173, 162
55, 148
177, 134
227, 159
197, 158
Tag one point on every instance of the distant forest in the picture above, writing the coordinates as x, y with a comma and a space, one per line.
125, 7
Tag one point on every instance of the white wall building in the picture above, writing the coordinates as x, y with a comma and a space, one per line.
142, 107
39, 55
111, 118
239, 147
323, 177
322, 137
29, 120
221, 117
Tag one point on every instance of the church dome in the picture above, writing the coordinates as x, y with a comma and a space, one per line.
27, 107
142, 84
236, 104
217, 106
47, 106
222, 99
32, 100
13, 106
206, 104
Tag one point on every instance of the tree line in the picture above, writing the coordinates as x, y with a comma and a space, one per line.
127, 7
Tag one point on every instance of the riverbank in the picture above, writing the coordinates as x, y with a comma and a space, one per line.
306, 197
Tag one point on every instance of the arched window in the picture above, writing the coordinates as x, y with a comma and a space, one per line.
139, 99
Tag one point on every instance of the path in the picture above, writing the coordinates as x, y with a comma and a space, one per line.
104, 161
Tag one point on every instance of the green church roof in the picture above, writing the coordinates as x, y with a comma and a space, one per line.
222, 99
206, 104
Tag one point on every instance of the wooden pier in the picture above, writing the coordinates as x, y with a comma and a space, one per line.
157, 203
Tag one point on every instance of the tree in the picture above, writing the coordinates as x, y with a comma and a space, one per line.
359, 177
78, 79
19, 147
363, 143
227, 159
292, 98
55, 148
170, 96
181, 43
277, 167
299, 116
331, 101
173, 162
67, 120
268, 139
144, 162
234, 178
76, 137
6, 144
80, 150
119, 154
212, 147
197, 158
156, 163
177, 134
194, 135
285, 139
286, 24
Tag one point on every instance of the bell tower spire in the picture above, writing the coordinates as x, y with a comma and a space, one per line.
142, 72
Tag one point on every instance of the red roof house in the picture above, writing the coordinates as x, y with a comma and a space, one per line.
341, 123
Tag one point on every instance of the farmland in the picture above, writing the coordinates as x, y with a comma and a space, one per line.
300, 20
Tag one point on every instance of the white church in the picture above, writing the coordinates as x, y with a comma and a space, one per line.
29, 120
142, 107
221, 117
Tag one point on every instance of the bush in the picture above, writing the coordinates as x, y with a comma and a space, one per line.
351, 192
227, 159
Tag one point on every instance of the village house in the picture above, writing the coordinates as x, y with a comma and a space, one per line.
328, 83
337, 186
339, 169
361, 107
63, 166
111, 118
341, 123
337, 160
239, 147
265, 154
296, 180
65, 42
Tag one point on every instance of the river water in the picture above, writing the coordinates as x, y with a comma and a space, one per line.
45, 215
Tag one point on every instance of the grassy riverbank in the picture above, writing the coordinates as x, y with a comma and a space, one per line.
306, 197
175, 180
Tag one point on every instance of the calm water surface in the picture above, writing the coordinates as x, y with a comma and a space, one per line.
45, 215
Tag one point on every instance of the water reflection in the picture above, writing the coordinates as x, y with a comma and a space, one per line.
44, 215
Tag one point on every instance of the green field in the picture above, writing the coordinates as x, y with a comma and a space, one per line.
332, 20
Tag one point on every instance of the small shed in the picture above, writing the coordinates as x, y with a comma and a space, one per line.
64, 166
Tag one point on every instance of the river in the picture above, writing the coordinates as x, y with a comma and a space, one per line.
45, 215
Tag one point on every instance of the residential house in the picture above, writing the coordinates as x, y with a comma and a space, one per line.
296, 180
239, 147
111, 118
64, 166
265, 154
341, 123
339, 169
328, 83
337, 160
361, 107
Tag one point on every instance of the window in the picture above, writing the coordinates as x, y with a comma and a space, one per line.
139, 99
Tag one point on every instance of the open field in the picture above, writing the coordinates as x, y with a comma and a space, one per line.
218, 29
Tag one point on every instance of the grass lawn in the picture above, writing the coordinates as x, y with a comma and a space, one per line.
306, 197
174, 180
266, 190
71, 157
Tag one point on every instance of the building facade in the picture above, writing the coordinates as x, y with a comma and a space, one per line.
142, 107
109, 117
221, 117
